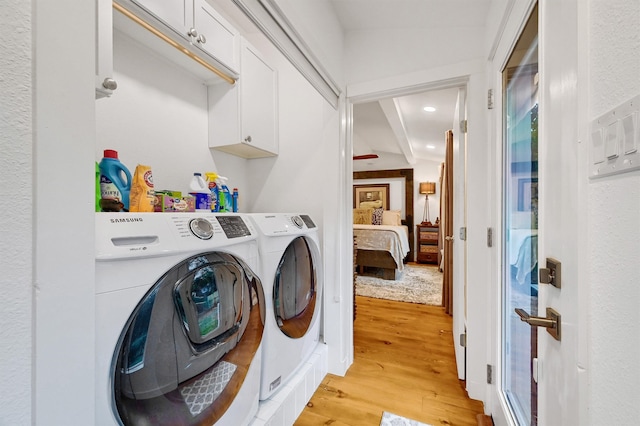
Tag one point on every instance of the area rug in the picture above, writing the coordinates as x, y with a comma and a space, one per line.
415, 283
390, 419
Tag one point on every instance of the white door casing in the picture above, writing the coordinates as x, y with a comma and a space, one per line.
518, 13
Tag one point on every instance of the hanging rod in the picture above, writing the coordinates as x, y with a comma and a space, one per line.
173, 43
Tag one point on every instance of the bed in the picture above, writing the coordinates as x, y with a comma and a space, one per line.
381, 246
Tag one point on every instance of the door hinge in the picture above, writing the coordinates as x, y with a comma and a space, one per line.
463, 233
489, 237
463, 126
463, 340
489, 374
490, 99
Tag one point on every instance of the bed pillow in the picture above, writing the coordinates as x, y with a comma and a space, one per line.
370, 204
391, 217
377, 217
362, 216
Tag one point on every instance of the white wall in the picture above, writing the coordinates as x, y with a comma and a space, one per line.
16, 248
373, 55
319, 27
614, 225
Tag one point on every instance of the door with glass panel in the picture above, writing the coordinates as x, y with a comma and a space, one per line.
520, 224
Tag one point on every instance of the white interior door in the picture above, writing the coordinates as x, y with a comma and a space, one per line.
562, 364
460, 221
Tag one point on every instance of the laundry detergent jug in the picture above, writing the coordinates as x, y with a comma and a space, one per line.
115, 183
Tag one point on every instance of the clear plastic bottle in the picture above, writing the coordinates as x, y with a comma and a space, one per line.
213, 189
224, 195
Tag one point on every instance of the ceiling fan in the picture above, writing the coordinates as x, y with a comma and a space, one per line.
365, 157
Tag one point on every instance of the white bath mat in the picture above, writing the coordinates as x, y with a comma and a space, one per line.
390, 419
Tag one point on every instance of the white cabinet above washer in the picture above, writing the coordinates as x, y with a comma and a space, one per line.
189, 32
243, 119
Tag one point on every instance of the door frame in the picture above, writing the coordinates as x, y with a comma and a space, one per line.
370, 92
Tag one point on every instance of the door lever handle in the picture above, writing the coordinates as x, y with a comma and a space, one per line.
551, 322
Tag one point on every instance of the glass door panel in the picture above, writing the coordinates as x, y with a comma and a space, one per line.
520, 223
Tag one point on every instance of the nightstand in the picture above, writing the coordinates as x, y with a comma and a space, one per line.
428, 236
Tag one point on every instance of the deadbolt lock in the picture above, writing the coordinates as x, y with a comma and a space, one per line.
552, 273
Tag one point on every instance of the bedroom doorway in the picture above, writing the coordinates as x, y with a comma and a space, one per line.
458, 259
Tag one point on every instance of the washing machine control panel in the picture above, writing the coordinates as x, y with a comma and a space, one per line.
201, 228
233, 226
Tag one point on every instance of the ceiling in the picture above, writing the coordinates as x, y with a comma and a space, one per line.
400, 126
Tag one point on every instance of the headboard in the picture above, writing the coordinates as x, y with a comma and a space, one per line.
407, 174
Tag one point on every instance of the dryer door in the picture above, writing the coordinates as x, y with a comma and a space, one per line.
295, 289
186, 349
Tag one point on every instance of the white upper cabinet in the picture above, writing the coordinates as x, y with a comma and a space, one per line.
243, 119
189, 32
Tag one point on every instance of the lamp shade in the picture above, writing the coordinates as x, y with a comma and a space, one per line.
427, 187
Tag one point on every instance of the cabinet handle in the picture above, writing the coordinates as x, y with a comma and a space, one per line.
201, 39
109, 84
192, 32
247, 139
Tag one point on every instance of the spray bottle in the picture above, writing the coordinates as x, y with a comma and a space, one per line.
214, 189
224, 195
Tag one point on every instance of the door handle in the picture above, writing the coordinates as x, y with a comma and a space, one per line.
551, 322
449, 238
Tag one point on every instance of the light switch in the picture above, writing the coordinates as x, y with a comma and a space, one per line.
630, 133
597, 146
615, 140
611, 141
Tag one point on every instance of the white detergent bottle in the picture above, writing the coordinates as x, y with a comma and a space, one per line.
199, 189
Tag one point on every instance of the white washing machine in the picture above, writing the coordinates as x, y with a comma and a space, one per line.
179, 319
291, 275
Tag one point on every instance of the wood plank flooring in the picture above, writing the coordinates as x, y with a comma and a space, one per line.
403, 363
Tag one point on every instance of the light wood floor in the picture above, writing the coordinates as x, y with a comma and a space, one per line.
403, 363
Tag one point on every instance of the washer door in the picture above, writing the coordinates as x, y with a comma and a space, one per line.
295, 289
186, 349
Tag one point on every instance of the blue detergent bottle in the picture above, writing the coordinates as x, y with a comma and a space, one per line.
115, 183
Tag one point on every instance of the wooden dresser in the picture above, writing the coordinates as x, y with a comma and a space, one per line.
427, 243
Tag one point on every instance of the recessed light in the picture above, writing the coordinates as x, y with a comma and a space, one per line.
431, 147
429, 109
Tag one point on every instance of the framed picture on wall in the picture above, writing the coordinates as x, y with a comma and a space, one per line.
527, 194
371, 196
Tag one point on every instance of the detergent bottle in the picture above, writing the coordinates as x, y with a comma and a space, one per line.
115, 183
199, 189
224, 195
234, 196
213, 189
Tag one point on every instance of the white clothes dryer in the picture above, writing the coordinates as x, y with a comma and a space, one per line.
291, 272
179, 319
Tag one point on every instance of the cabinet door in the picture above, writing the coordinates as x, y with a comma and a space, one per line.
178, 14
259, 111
215, 34
105, 84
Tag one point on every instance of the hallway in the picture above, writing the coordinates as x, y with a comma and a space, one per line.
403, 363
